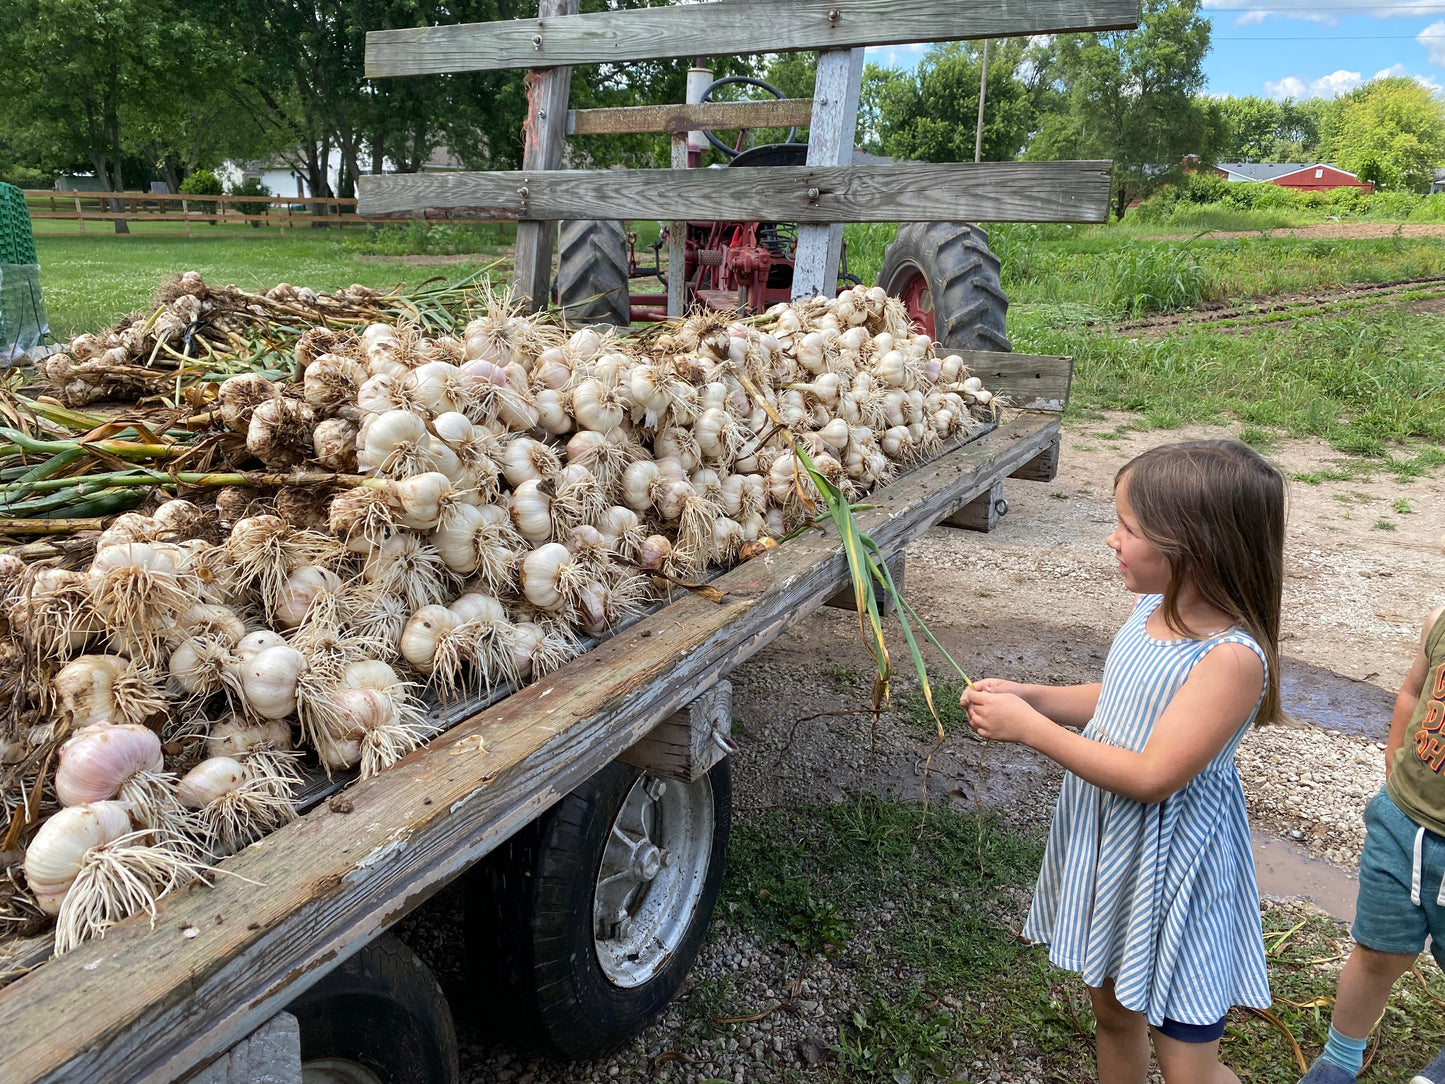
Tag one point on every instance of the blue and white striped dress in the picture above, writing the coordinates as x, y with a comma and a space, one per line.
1162, 898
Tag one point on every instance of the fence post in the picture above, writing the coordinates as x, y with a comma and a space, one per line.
677, 240
830, 143
186, 214
545, 134
79, 215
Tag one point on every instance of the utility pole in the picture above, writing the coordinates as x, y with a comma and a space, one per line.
982, 90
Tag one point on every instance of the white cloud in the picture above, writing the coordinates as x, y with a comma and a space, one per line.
1326, 86
1259, 10
1337, 83
895, 56
1433, 38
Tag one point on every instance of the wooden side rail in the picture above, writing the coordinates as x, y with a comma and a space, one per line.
150, 1002
911, 192
739, 26
783, 113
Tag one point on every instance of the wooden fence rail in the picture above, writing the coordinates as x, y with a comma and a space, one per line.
282, 211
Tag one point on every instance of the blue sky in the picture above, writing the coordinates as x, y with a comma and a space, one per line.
1305, 48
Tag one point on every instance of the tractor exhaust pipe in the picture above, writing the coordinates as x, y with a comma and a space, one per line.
698, 80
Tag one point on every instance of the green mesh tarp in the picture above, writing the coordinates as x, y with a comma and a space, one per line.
23, 326
17, 244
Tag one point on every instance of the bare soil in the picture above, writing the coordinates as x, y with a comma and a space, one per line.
1351, 231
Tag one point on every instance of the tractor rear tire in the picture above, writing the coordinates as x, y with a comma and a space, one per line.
948, 277
592, 282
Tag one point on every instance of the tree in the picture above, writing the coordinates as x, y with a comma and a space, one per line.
1250, 127
104, 62
1132, 96
932, 114
1390, 132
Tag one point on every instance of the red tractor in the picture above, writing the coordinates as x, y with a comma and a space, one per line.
943, 271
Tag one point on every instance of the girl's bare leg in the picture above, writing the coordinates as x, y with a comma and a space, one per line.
1122, 1038
1191, 1063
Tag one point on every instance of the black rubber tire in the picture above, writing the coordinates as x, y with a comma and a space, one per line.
592, 282
383, 1009
535, 974
969, 307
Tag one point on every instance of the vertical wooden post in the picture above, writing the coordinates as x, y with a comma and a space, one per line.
186, 215
545, 134
982, 94
79, 215
830, 143
677, 240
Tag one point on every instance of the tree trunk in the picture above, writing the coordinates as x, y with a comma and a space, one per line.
1121, 202
378, 155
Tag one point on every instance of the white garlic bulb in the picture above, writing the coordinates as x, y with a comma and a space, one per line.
268, 681
55, 855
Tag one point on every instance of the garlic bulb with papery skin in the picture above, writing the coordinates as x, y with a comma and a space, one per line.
531, 511
268, 681
239, 396
235, 736
97, 761
417, 500
200, 667
135, 588
209, 780
549, 577
370, 674
301, 590
279, 434
525, 459
106, 689
423, 633
332, 381
54, 856
334, 443
394, 443
253, 643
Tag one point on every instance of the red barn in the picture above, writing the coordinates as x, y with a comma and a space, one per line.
1318, 177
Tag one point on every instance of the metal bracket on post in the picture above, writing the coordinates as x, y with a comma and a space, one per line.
686, 744
830, 143
545, 139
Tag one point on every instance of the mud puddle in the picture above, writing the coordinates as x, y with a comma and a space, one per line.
1315, 695
1284, 869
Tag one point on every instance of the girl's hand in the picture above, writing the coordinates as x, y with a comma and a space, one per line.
998, 685
999, 715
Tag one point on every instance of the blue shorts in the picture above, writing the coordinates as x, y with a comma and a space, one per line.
1192, 1033
1401, 906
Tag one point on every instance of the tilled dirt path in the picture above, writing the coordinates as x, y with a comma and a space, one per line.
1351, 231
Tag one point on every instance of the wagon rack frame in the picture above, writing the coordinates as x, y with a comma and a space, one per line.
167, 1000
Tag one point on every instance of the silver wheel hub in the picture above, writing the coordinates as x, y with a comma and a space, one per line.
651, 877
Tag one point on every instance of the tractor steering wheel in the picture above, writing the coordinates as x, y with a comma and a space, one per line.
733, 152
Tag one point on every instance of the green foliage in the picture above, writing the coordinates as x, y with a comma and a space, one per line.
1254, 129
203, 183
430, 238
1390, 132
931, 114
252, 186
1131, 96
1159, 278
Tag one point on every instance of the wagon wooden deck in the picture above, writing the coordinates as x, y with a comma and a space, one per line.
153, 1002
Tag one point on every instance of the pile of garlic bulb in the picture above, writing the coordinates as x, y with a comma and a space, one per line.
494, 500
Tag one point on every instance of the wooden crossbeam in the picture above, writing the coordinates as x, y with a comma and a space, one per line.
913, 192
781, 113
739, 26
149, 1002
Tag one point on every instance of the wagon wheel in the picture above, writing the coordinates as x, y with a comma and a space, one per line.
592, 273
379, 1018
583, 926
945, 275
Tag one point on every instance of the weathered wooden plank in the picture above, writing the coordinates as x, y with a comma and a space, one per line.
1042, 467
677, 241
148, 1003
1029, 381
981, 513
740, 26
775, 113
830, 143
913, 192
686, 744
544, 141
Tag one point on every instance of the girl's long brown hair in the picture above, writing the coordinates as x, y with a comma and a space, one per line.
1215, 510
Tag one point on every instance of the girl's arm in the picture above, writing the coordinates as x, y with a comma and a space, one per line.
1409, 695
1204, 714
1067, 705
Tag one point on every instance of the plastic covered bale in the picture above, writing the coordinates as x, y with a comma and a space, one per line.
23, 325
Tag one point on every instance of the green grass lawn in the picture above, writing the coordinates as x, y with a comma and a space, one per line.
90, 282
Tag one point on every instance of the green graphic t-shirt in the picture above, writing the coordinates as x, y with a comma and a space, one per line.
1417, 783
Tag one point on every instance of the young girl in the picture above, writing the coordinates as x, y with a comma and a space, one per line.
1148, 887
